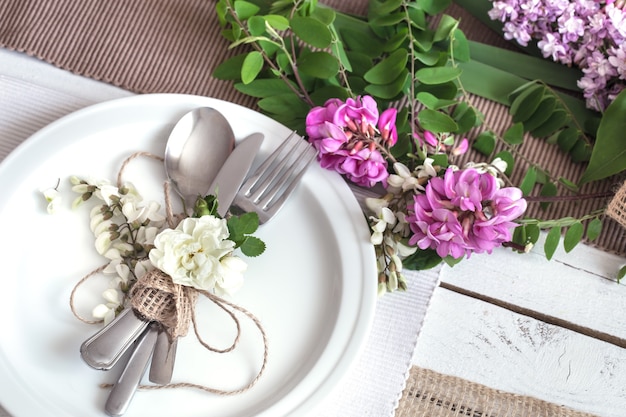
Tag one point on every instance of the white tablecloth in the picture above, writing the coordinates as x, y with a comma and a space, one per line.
33, 94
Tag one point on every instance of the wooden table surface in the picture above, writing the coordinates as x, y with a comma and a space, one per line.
554, 330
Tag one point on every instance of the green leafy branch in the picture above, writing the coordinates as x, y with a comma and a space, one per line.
411, 55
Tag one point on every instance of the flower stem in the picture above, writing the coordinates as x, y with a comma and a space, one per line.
550, 199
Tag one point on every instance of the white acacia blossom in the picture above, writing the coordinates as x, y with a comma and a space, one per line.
53, 198
199, 254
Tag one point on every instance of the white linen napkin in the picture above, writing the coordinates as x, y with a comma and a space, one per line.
34, 94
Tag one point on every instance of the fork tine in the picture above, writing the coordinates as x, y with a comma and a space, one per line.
264, 168
292, 175
266, 191
289, 146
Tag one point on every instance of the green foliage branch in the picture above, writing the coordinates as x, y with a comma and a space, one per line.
413, 56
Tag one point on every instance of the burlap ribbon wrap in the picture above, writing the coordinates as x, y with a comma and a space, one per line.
617, 206
157, 298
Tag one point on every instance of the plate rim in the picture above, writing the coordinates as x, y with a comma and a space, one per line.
367, 297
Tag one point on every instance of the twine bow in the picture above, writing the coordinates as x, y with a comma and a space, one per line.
157, 298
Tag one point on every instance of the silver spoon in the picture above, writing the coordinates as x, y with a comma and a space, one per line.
191, 164
197, 147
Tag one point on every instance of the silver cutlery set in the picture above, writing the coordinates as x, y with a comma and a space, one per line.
264, 192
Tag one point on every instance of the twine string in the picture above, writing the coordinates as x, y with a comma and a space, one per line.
157, 298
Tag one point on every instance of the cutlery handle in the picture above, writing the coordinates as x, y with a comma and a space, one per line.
163, 357
125, 387
104, 348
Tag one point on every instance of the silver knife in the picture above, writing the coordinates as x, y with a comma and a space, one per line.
226, 184
234, 171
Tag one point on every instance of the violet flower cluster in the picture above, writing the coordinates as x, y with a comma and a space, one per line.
453, 211
349, 137
464, 212
584, 33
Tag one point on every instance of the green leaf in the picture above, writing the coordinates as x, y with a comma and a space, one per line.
568, 184
529, 181
594, 228
322, 94
485, 143
548, 189
446, 91
287, 104
541, 115
389, 19
434, 7
263, 87
319, 64
621, 273
429, 58
230, 69
460, 46
256, 25
311, 31
532, 233
396, 41
364, 42
245, 10
465, 117
474, 79
422, 259
526, 103
388, 69
252, 246
278, 22
581, 151
436, 122
552, 241
526, 66
432, 102
325, 15
514, 135
391, 90
437, 75
572, 236
252, 65
381, 8
556, 121
567, 138
245, 224
609, 153
446, 26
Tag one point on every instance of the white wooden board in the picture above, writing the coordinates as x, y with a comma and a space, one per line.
578, 288
493, 346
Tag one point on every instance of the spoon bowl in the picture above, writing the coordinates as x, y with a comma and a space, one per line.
196, 149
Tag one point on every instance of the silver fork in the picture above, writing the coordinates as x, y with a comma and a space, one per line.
266, 191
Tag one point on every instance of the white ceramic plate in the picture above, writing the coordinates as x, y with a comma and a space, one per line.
313, 289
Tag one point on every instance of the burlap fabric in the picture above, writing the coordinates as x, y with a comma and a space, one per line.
617, 207
430, 394
164, 46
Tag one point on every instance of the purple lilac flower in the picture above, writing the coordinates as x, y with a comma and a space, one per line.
585, 33
464, 212
348, 136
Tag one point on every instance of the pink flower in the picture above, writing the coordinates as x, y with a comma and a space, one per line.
387, 126
464, 212
349, 136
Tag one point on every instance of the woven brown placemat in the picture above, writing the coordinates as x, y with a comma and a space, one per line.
431, 394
